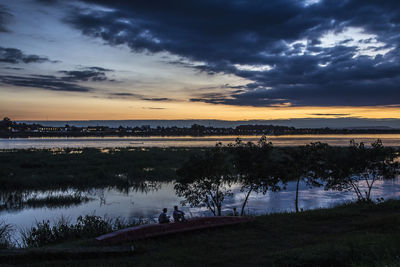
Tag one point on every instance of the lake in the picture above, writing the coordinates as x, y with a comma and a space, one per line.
188, 141
148, 201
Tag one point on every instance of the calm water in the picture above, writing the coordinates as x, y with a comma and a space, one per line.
149, 201
187, 141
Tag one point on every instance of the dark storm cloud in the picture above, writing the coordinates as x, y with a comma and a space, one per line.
87, 74
68, 81
256, 33
139, 97
16, 56
5, 16
46, 82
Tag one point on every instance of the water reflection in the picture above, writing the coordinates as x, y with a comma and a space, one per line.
143, 187
147, 198
13, 201
19, 200
187, 141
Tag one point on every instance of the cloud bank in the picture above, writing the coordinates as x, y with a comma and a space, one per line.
293, 52
69, 81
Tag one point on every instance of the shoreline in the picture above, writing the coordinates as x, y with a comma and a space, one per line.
289, 239
116, 135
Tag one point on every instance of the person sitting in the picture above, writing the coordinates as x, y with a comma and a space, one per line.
235, 212
163, 218
179, 216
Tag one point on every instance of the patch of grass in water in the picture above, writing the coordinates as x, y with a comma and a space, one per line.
17, 202
42, 169
56, 201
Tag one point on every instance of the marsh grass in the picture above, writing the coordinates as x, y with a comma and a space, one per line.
57, 201
13, 201
122, 167
45, 233
6, 231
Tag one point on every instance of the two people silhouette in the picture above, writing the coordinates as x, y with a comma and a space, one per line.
178, 215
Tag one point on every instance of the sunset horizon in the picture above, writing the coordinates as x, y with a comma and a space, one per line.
292, 59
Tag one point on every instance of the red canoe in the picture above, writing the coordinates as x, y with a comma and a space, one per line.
153, 230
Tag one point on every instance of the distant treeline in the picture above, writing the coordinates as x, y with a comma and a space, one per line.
10, 128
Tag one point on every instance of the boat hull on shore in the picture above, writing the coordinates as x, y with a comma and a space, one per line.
155, 230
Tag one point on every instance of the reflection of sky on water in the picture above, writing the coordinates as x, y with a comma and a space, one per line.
187, 141
311, 198
135, 204
109, 202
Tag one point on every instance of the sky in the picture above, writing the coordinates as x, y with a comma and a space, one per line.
208, 59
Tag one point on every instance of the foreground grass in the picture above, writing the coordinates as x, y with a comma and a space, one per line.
348, 235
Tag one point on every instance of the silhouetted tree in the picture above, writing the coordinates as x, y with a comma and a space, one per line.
307, 164
359, 163
256, 166
205, 179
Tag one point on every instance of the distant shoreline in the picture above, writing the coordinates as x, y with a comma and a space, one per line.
13, 129
333, 123
122, 135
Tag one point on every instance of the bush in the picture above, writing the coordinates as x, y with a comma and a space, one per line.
43, 233
90, 226
5, 235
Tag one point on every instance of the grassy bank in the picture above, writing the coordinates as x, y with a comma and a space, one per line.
348, 235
